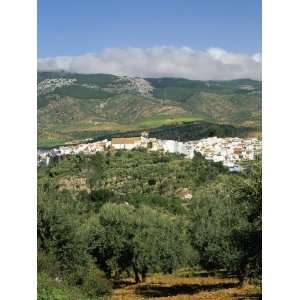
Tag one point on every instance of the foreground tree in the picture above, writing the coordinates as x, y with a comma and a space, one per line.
58, 234
160, 243
110, 235
123, 238
226, 225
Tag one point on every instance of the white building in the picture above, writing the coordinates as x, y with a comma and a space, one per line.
169, 146
126, 143
229, 151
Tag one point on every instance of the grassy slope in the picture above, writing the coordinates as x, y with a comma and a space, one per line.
78, 112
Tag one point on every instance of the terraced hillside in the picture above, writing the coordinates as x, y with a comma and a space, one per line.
78, 106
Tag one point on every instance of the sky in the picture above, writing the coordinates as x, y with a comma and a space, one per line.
99, 36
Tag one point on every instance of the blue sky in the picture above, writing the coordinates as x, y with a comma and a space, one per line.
76, 27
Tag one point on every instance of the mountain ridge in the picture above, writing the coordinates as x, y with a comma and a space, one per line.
73, 104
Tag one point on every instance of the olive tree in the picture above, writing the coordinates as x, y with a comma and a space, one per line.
122, 237
159, 243
110, 238
226, 224
58, 234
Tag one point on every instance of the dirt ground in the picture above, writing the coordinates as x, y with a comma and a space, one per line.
180, 286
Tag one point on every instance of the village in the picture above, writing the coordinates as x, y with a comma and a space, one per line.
229, 151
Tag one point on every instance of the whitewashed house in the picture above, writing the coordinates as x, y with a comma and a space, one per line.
126, 143
169, 146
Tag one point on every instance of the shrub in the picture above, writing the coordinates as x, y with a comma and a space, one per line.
95, 284
101, 196
47, 262
49, 289
56, 289
171, 204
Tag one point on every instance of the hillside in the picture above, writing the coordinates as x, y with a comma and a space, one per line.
78, 106
142, 225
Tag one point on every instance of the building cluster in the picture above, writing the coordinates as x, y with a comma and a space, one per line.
228, 151
87, 148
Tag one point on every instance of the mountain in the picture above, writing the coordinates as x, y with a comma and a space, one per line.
79, 106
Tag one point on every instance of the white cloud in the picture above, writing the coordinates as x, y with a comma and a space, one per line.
212, 64
257, 57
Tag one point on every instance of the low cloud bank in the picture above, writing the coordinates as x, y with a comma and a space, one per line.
212, 64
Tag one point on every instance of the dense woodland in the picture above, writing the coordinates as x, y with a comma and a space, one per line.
123, 214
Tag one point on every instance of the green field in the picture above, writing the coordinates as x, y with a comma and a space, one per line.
168, 121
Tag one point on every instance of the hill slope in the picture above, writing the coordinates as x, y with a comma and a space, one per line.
77, 106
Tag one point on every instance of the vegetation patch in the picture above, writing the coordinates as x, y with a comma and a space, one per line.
130, 229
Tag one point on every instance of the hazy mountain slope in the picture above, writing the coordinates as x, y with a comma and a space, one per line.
72, 106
